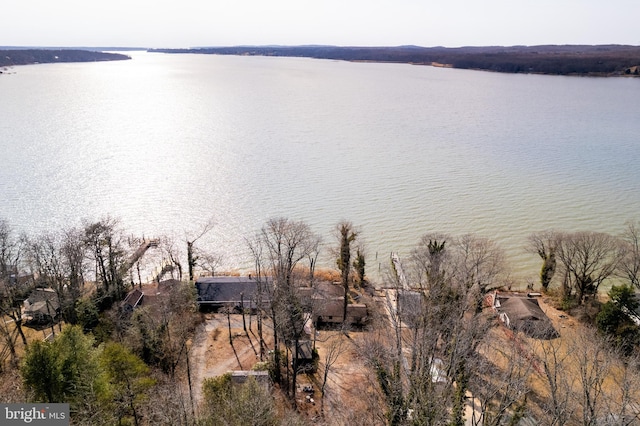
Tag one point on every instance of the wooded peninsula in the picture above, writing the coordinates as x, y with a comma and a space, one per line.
11, 57
582, 60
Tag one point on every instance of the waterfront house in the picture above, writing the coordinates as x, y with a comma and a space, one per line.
523, 314
232, 292
41, 307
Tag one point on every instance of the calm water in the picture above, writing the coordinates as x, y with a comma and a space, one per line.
164, 142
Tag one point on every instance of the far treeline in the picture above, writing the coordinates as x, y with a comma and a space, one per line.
13, 57
602, 60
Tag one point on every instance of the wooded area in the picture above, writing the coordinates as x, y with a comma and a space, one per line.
605, 60
41, 56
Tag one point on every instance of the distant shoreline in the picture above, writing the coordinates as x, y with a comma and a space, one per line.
579, 60
569, 60
14, 57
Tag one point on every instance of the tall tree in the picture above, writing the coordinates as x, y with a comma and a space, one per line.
429, 258
13, 290
556, 380
59, 262
106, 244
545, 245
588, 259
192, 257
425, 365
128, 381
73, 253
347, 235
629, 265
359, 265
10, 251
65, 370
479, 262
279, 249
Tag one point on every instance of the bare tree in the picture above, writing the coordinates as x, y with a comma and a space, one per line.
622, 401
263, 290
588, 259
382, 358
73, 253
479, 262
210, 262
59, 261
11, 249
335, 346
105, 241
441, 324
499, 382
170, 264
545, 245
629, 265
192, 258
557, 381
593, 358
278, 250
12, 291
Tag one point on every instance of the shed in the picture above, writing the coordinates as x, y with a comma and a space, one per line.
305, 356
239, 377
133, 299
330, 311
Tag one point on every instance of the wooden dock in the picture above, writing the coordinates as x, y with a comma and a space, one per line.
397, 267
144, 246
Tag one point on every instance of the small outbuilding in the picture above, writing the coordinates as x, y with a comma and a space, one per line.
132, 300
240, 377
331, 311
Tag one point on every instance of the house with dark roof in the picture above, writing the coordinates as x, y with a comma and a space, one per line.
233, 292
326, 303
41, 307
152, 296
331, 311
523, 314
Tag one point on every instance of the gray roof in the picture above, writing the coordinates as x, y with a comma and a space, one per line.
41, 305
231, 291
524, 314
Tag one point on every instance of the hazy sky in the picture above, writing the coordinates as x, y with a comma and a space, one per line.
188, 23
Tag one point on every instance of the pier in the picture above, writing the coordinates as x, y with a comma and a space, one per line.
144, 246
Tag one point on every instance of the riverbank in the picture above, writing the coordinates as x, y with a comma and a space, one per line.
580, 60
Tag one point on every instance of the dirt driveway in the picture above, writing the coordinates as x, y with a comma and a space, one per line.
211, 353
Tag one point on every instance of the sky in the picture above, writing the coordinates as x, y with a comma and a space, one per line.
197, 23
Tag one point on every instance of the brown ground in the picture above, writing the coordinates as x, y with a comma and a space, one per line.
347, 381
212, 355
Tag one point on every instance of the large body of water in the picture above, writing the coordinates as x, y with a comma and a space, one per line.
163, 142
